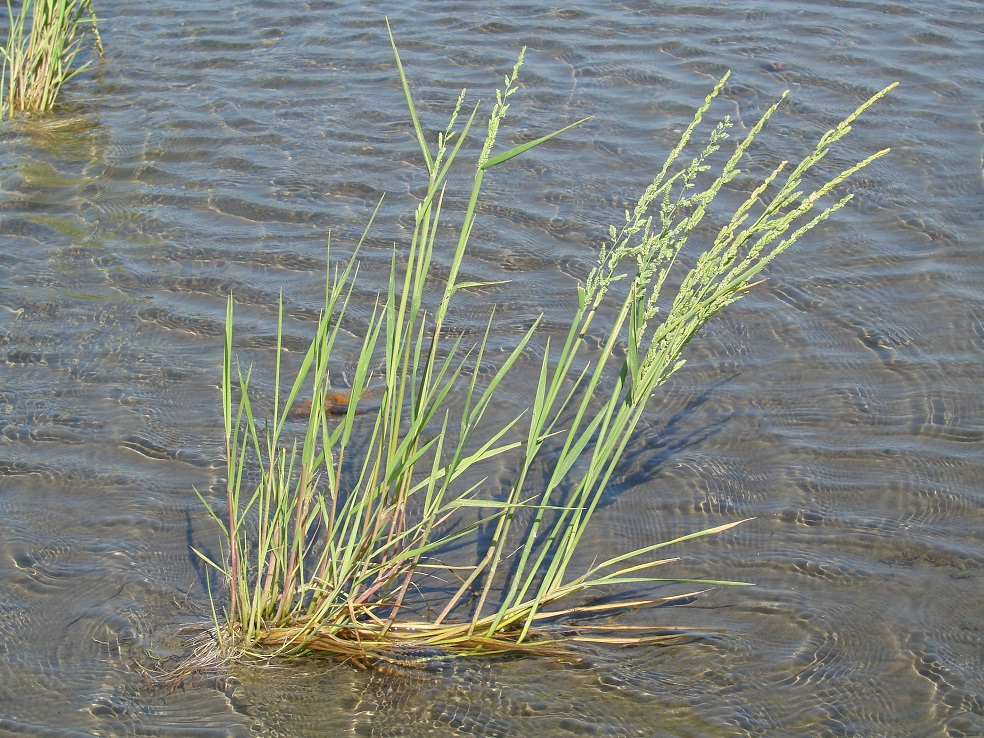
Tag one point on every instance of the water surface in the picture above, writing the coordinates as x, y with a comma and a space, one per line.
839, 405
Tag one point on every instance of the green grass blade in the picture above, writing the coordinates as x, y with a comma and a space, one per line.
523, 148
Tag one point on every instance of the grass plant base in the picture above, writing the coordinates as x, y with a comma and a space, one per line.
398, 642
395, 641
340, 541
419, 646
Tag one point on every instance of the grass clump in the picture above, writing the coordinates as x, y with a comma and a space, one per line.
43, 40
337, 547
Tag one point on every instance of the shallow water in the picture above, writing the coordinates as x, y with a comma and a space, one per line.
839, 405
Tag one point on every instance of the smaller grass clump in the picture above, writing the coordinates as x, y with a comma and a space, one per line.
339, 546
43, 40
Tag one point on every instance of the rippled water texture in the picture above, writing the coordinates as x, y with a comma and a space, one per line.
840, 405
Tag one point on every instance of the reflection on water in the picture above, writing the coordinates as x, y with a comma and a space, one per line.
839, 405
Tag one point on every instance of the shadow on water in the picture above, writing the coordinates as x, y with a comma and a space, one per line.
644, 458
675, 436
207, 578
